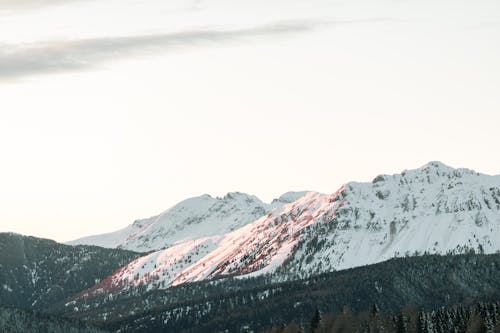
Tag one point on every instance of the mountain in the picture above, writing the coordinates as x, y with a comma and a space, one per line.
434, 209
35, 273
191, 219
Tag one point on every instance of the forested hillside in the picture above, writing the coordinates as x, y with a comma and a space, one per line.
478, 318
36, 273
19, 321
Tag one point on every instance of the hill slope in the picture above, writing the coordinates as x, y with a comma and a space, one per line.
35, 273
17, 321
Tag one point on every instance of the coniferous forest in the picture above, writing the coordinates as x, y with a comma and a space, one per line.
478, 318
18, 321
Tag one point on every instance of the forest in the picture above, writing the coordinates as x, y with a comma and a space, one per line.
479, 318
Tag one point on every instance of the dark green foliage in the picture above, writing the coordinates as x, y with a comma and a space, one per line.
479, 318
315, 321
36, 273
401, 323
18, 321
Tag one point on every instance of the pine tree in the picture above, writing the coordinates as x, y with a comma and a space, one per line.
422, 322
375, 310
401, 324
315, 321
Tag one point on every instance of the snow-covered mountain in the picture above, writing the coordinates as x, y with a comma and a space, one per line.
433, 209
189, 220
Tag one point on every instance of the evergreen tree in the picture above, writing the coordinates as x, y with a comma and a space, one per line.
401, 324
422, 322
315, 321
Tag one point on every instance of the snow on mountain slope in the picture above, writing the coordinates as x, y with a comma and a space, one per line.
433, 209
190, 219
287, 197
262, 244
112, 239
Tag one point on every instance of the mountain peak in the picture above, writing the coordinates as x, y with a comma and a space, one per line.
196, 217
239, 196
436, 165
289, 197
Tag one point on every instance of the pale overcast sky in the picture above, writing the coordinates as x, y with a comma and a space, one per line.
114, 110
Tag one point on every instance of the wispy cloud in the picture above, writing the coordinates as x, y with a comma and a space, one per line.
27, 4
67, 55
21, 60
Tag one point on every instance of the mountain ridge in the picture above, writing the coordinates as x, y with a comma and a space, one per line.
200, 216
433, 209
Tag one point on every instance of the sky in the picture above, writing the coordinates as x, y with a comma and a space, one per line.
115, 110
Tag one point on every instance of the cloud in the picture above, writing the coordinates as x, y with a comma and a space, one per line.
69, 55
21, 60
29, 4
